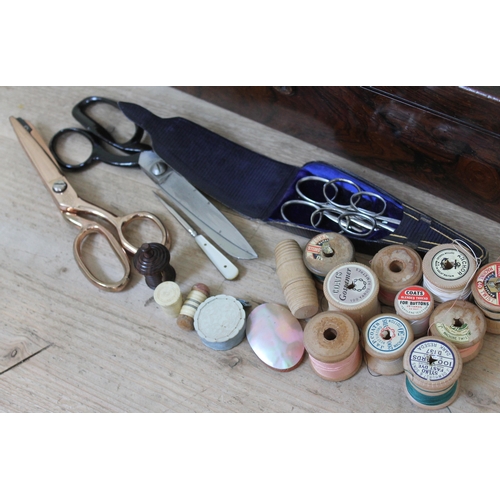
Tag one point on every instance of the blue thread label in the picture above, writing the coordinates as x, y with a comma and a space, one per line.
432, 360
387, 334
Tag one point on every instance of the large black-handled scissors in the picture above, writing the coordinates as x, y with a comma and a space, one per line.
134, 152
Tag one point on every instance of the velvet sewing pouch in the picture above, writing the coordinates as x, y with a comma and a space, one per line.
258, 187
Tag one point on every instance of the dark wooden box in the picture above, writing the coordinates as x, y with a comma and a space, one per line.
445, 140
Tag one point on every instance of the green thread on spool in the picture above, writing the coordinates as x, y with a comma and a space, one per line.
426, 400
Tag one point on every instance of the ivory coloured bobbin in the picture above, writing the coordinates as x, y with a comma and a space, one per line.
396, 267
198, 294
415, 304
432, 367
486, 294
298, 286
385, 339
352, 288
448, 270
325, 251
461, 323
168, 296
332, 341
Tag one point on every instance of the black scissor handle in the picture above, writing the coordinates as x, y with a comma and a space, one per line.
98, 153
133, 145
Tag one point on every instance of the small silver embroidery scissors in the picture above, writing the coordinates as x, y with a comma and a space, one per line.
351, 216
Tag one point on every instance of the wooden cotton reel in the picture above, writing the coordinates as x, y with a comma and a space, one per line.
332, 341
385, 339
486, 294
433, 367
415, 304
352, 288
448, 270
325, 251
396, 267
298, 286
461, 323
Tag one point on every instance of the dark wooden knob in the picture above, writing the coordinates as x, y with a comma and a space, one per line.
152, 260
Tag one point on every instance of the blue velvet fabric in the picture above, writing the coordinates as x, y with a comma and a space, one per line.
256, 186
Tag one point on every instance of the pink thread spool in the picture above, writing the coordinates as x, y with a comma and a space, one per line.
415, 304
461, 323
332, 341
396, 267
486, 294
352, 289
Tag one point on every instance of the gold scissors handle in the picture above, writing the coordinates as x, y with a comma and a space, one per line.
120, 246
74, 208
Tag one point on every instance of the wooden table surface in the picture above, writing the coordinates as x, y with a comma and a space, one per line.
66, 346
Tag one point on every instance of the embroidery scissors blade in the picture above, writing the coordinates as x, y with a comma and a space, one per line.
73, 208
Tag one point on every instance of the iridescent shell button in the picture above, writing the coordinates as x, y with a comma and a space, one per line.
275, 336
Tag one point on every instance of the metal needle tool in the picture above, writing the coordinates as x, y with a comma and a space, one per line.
222, 263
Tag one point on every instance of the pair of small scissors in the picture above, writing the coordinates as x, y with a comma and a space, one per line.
75, 209
350, 215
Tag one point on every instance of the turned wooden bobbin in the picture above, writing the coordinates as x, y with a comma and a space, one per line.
352, 288
486, 294
296, 281
325, 251
396, 267
461, 323
152, 261
198, 294
385, 339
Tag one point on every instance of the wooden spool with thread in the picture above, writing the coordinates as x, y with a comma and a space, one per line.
448, 270
325, 251
461, 323
433, 368
296, 282
385, 339
415, 304
352, 288
396, 267
332, 341
198, 294
486, 294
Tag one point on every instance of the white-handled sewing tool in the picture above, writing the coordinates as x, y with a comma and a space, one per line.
218, 259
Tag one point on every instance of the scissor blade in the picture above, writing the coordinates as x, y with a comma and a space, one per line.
201, 212
41, 158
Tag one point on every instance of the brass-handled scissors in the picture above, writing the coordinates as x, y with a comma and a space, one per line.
74, 208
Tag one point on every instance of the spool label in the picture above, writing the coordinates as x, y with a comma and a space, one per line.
450, 264
459, 334
488, 284
414, 300
387, 334
432, 360
315, 246
350, 285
